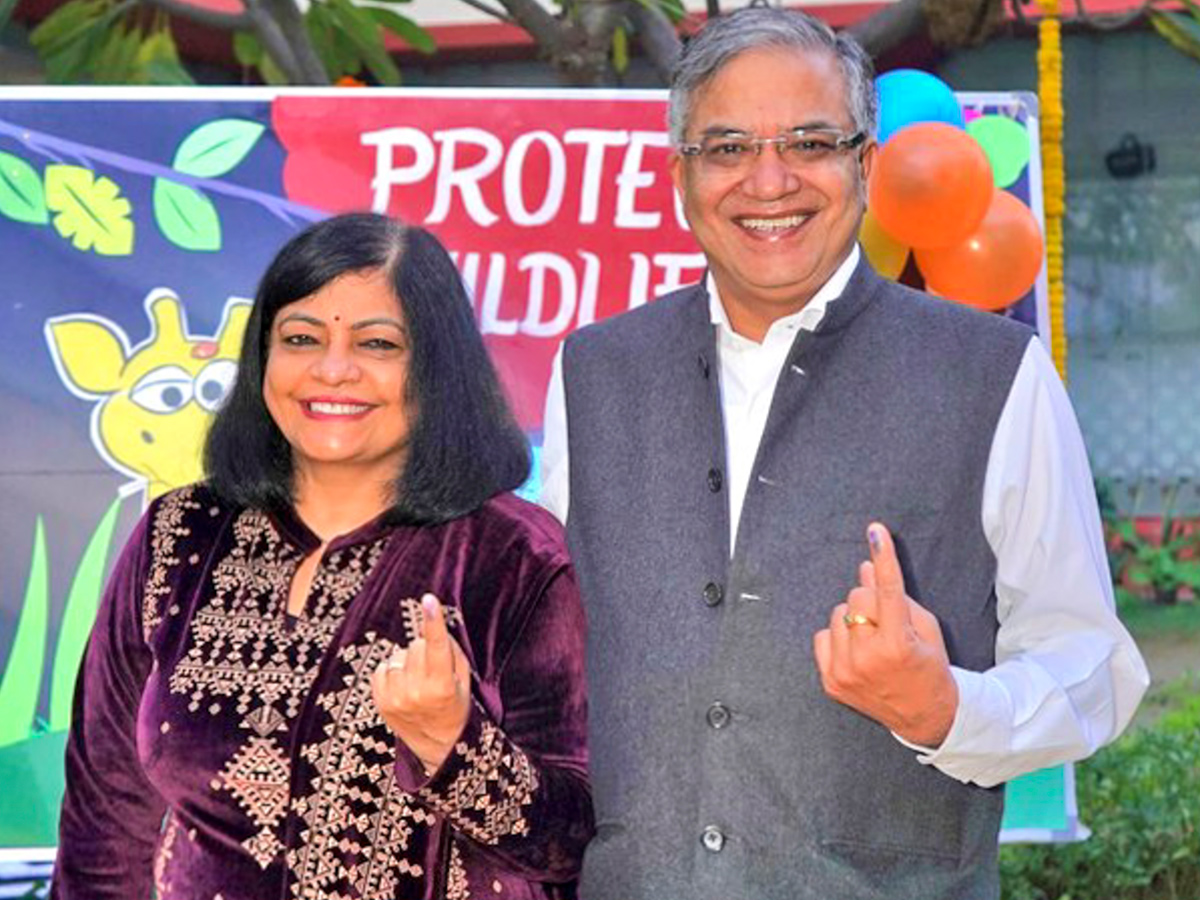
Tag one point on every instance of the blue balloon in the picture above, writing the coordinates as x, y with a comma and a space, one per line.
907, 96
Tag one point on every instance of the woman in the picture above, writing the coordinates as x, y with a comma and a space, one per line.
350, 664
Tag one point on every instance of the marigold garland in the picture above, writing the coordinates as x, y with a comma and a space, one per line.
1054, 180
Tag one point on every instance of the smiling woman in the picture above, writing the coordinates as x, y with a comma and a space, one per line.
351, 663
399, 286
334, 381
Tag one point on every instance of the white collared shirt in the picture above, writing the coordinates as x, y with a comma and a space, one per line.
1068, 676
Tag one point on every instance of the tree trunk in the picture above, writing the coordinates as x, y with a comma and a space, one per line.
892, 26
577, 42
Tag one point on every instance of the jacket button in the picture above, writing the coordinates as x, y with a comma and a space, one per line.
712, 839
713, 595
718, 715
714, 480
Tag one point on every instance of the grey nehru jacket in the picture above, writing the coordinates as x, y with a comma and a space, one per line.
720, 768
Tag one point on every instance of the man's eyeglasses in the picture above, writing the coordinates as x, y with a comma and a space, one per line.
799, 149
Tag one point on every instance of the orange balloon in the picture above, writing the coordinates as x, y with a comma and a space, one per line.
931, 185
886, 254
994, 267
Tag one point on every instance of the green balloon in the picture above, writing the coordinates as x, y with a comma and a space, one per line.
1006, 144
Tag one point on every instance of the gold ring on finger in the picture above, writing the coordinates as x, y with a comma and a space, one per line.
853, 619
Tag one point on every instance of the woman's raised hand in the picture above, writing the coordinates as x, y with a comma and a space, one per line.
423, 691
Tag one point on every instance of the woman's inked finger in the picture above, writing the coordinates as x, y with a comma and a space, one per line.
439, 658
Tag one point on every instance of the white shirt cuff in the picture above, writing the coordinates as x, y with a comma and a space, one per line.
981, 730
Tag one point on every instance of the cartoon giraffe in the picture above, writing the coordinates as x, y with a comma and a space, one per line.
156, 398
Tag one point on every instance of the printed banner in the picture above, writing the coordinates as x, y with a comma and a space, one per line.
133, 229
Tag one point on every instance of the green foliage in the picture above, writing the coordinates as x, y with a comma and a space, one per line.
672, 9
1174, 705
404, 28
107, 42
1155, 566
366, 39
1181, 31
1156, 620
1141, 798
348, 39
22, 680
6, 11
620, 50
1159, 566
250, 54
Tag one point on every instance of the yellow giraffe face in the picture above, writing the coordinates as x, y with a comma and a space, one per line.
155, 399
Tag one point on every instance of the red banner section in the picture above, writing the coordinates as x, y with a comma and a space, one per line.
559, 209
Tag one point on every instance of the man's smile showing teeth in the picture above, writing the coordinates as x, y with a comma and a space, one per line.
776, 224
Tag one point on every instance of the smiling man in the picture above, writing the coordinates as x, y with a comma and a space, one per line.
837, 539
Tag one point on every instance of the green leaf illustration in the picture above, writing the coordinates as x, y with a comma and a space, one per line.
21, 195
80, 612
33, 790
216, 147
23, 674
90, 211
186, 217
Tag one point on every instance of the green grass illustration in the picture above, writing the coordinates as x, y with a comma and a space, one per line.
23, 675
80, 612
31, 750
21, 685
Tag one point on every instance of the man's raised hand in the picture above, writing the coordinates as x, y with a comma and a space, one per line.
883, 652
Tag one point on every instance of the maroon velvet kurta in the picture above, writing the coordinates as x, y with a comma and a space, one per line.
219, 752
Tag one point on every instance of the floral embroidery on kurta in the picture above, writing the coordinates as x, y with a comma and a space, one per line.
357, 822
242, 650
166, 849
168, 529
457, 887
488, 799
260, 742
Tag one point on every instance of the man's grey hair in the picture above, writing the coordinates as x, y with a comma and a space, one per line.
763, 27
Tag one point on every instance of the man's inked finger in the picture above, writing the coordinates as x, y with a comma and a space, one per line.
866, 574
889, 579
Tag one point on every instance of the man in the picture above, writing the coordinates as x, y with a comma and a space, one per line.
743, 454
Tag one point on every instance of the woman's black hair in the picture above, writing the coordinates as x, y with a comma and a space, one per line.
464, 445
